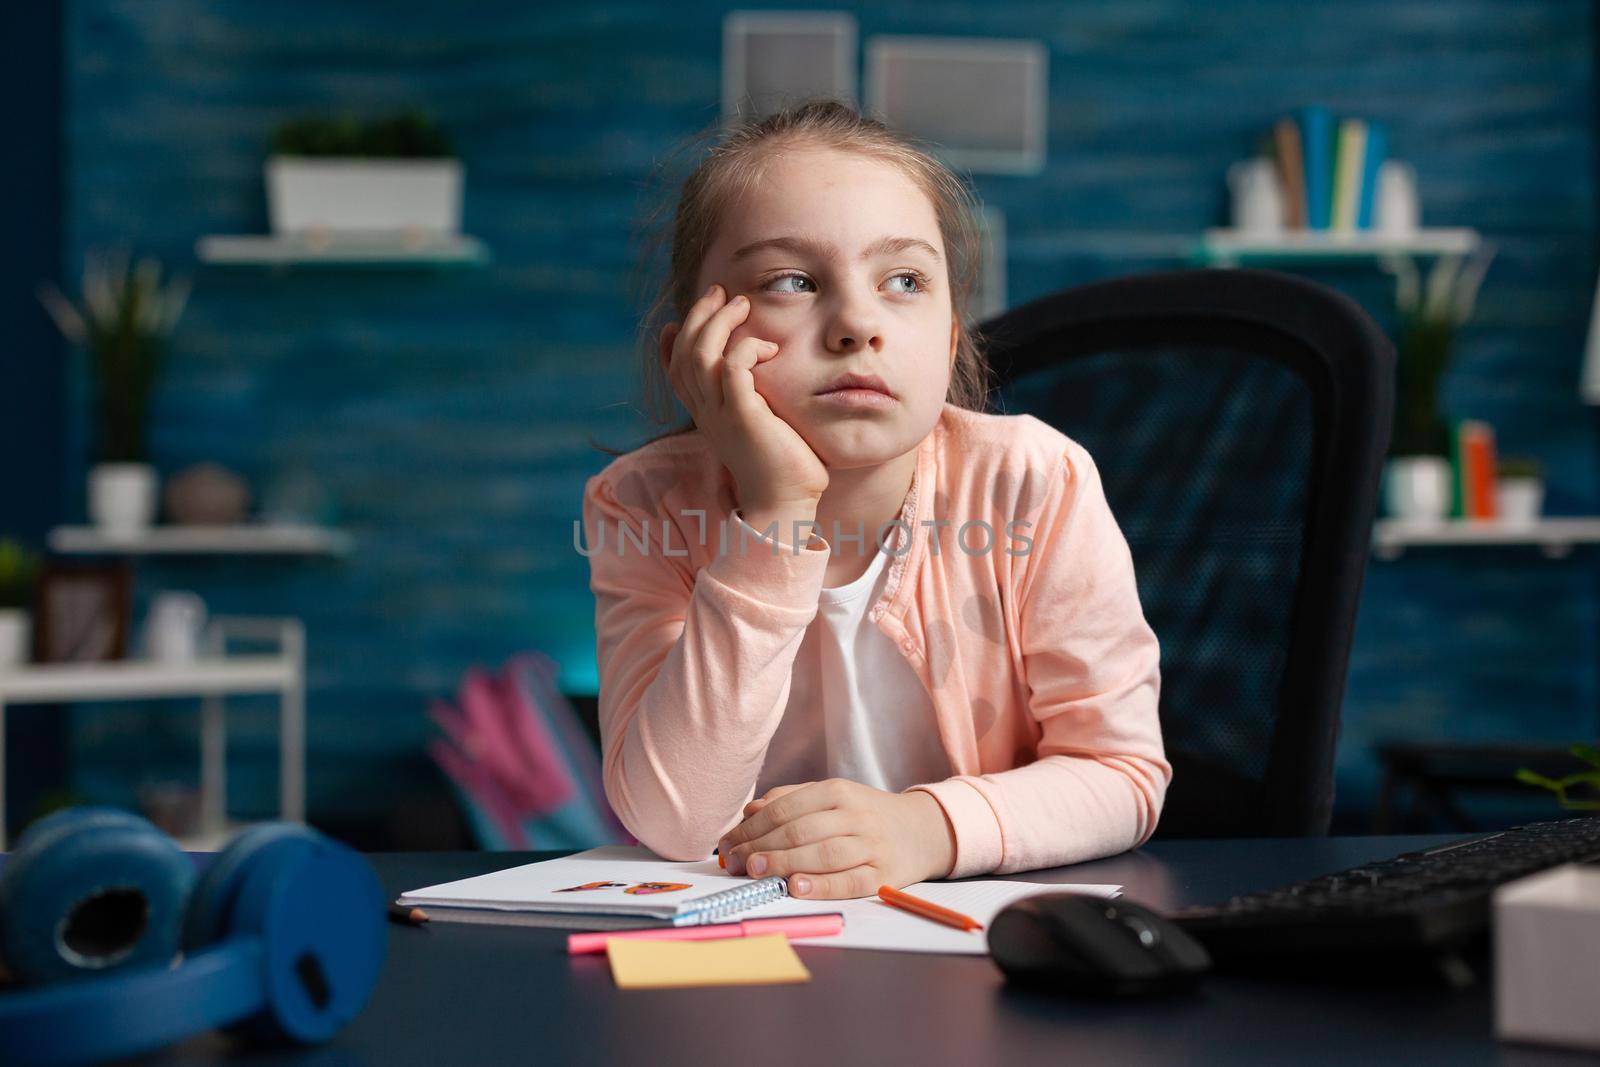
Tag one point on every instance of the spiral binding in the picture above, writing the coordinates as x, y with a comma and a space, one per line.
740, 898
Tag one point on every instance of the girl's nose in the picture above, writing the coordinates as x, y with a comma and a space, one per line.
855, 326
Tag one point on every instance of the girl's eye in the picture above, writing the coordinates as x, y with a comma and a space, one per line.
918, 284
784, 278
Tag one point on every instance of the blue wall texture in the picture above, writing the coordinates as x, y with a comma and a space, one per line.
450, 412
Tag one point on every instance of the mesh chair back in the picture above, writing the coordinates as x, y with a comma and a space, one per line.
1239, 419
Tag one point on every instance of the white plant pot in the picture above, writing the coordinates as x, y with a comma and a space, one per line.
1417, 488
122, 497
1519, 500
339, 194
16, 632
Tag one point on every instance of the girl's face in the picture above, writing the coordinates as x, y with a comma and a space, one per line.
845, 269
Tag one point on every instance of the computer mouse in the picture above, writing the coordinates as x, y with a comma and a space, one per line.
1079, 943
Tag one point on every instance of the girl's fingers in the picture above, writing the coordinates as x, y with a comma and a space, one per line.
711, 342
689, 383
807, 829
738, 381
682, 384
838, 853
701, 310
862, 881
770, 795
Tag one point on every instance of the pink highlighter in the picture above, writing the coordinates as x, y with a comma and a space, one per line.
823, 925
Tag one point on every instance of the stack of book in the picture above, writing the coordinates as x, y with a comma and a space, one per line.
1328, 169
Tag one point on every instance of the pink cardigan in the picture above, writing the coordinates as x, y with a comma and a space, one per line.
1043, 673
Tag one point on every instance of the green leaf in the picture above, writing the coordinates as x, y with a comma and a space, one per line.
1527, 777
1588, 753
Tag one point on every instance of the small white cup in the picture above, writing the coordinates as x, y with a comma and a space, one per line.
1417, 488
1257, 195
173, 627
1519, 500
1395, 210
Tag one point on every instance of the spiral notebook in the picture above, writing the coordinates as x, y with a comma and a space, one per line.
608, 888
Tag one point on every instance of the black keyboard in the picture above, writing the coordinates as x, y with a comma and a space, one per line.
1419, 904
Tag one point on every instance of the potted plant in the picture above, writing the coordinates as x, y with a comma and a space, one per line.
124, 316
1519, 489
1417, 477
19, 571
335, 176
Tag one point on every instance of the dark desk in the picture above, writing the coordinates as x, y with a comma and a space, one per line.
454, 994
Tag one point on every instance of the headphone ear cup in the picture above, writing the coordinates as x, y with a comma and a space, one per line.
88, 891
206, 920
317, 909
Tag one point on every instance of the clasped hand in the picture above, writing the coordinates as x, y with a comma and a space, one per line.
838, 838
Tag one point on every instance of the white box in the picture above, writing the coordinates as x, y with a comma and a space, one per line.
1547, 957
343, 194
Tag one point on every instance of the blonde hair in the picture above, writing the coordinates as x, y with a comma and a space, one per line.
735, 165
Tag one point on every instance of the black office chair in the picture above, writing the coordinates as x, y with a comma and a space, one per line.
1239, 419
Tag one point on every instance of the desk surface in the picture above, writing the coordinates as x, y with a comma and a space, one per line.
462, 994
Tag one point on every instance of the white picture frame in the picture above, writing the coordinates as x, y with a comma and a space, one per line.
774, 58
981, 101
1589, 385
989, 298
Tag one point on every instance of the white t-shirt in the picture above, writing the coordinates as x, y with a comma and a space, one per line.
856, 709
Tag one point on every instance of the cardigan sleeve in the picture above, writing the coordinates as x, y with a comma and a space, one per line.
1092, 663
694, 668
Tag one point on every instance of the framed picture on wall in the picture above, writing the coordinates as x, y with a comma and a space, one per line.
82, 612
980, 101
989, 299
771, 59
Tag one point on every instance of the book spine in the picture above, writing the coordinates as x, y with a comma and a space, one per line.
1291, 172
1458, 496
1347, 173
1316, 141
1478, 452
1376, 151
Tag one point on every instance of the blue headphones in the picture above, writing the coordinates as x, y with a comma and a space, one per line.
282, 938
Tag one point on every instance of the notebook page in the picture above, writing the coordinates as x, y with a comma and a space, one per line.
870, 923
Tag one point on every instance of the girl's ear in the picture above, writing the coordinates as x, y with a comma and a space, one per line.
669, 333
955, 339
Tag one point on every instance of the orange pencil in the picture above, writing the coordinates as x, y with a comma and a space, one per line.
927, 909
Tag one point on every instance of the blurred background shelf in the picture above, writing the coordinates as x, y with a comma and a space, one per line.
243, 539
211, 677
137, 679
377, 251
1555, 536
1228, 247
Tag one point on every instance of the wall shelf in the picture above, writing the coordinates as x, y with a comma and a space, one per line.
1230, 248
349, 250
1554, 536
258, 539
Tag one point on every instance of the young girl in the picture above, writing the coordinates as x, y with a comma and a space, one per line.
853, 630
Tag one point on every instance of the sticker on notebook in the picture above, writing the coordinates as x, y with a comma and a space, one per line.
592, 885
644, 888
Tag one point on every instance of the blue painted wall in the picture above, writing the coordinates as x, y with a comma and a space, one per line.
33, 377
450, 412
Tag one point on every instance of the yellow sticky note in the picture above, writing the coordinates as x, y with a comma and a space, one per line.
764, 960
